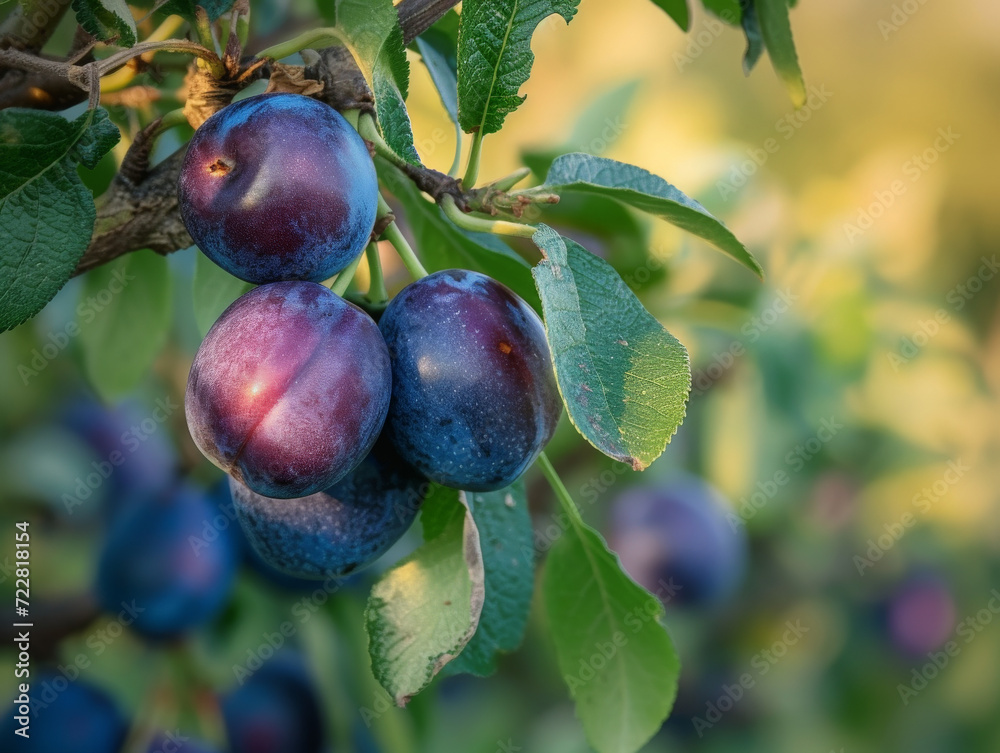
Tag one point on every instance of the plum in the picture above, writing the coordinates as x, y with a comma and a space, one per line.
66, 716
276, 710
278, 187
339, 531
289, 390
474, 395
152, 571
920, 613
675, 540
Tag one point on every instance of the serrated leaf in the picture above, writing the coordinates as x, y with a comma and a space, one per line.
107, 20
442, 245
376, 41
495, 58
124, 318
506, 536
677, 10
641, 189
423, 611
46, 214
623, 378
185, 8
214, 289
751, 30
776, 30
614, 654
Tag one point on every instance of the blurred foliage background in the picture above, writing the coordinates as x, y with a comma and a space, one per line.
846, 408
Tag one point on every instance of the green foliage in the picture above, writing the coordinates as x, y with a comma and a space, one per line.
624, 379
426, 608
376, 41
108, 20
46, 213
641, 189
751, 29
616, 658
444, 246
776, 31
508, 560
728, 10
214, 289
495, 58
677, 10
125, 316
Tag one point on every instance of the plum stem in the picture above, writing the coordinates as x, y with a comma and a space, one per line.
472, 168
394, 235
480, 225
346, 276
563, 495
376, 288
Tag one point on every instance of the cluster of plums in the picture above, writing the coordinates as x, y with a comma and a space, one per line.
330, 424
276, 710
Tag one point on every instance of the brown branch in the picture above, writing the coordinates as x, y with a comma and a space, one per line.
140, 209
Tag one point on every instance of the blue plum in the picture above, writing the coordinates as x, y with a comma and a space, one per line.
276, 710
168, 742
289, 390
278, 187
156, 568
675, 540
474, 395
135, 456
66, 716
339, 531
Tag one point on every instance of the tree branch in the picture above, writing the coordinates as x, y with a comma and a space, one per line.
417, 16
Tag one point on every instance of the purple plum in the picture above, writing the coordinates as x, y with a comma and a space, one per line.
474, 395
289, 390
338, 531
278, 187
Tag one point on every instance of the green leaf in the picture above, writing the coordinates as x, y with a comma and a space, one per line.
728, 10
438, 48
46, 214
108, 20
751, 30
613, 652
777, 32
641, 189
677, 10
214, 290
495, 58
376, 41
507, 540
185, 8
623, 378
424, 610
442, 245
124, 317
